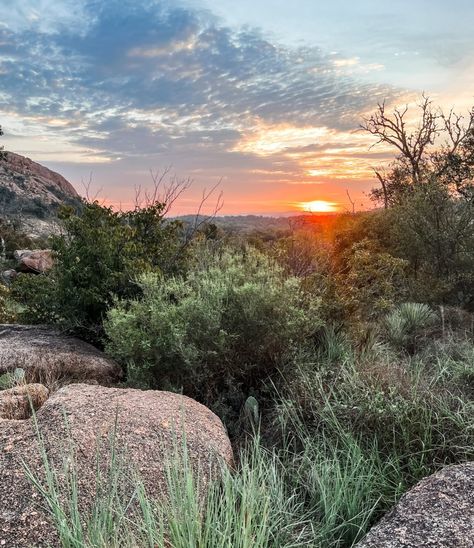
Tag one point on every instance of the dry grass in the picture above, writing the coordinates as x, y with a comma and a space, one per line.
22, 400
53, 371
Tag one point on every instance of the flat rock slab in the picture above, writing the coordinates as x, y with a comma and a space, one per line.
80, 419
48, 356
437, 513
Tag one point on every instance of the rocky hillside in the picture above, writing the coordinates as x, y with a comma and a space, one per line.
32, 193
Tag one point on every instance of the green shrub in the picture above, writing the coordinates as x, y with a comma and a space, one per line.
433, 231
215, 333
405, 325
370, 282
40, 305
97, 257
7, 307
307, 256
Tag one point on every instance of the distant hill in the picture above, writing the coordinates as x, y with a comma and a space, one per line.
255, 224
32, 193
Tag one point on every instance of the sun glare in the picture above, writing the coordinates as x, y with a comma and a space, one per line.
318, 206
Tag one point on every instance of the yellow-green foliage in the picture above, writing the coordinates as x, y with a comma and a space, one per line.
219, 331
7, 313
371, 282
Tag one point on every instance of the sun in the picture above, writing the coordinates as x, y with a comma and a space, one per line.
318, 206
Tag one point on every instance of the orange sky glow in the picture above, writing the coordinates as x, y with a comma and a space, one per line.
319, 206
263, 99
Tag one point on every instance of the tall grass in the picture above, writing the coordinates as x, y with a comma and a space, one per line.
310, 492
248, 508
345, 484
352, 431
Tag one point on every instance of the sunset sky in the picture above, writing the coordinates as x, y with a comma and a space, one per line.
265, 95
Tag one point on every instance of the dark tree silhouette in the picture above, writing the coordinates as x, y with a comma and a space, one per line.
439, 146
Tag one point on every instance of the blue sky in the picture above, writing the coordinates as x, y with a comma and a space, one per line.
263, 95
419, 42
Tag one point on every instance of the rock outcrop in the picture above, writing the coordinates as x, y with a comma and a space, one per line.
36, 261
146, 426
50, 357
33, 193
437, 513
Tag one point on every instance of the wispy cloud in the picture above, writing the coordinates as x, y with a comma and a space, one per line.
148, 81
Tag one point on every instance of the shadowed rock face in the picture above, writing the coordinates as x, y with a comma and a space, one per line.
437, 513
147, 426
50, 357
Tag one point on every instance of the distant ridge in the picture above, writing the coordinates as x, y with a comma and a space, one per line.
255, 223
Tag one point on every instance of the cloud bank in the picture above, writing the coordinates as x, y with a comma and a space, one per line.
151, 83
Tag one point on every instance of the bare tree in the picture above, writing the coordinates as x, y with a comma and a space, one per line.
87, 187
382, 178
2, 152
394, 130
351, 201
456, 130
436, 147
200, 219
166, 189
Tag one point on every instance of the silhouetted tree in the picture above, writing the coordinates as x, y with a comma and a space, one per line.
439, 148
429, 193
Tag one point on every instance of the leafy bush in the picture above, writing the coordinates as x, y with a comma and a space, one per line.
37, 296
434, 233
217, 332
98, 257
305, 255
370, 283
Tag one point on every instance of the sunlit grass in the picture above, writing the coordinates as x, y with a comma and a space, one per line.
325, 493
